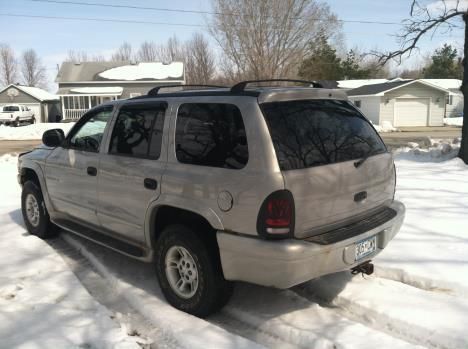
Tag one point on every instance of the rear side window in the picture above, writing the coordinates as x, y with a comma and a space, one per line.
211, 134
319, 132
138, 131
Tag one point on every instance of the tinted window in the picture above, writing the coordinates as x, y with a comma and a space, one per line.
209, 134
138, 131
11, 108
89, 136
319, 132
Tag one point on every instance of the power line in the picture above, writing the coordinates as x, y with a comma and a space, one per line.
161, 9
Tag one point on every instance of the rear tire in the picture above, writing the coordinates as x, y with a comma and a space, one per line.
35, 215
183, 259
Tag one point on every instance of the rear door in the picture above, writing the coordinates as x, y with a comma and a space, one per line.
130, 173
318, 143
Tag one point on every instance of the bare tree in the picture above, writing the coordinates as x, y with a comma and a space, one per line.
172, 51
199, 60
268, 38
148, 52
441, 15
123, 53
8, 65
77, 56
32, 69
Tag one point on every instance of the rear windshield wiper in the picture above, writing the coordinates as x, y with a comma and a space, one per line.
361, 161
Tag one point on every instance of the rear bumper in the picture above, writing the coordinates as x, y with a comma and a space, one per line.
286, 263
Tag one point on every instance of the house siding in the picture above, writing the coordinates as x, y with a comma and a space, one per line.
416, 90
456, 108
370, 107
20, 99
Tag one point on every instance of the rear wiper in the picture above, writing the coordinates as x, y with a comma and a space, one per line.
361, 161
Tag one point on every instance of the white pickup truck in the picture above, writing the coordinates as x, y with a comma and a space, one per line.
14, 114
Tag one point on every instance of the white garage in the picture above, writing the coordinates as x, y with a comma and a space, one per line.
402, 103
411, 111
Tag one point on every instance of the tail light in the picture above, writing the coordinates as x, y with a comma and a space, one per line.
276, 216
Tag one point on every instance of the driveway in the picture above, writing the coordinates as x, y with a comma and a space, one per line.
17, 146
419, 135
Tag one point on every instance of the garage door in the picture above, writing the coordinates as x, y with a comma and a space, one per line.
36, 109
411, 112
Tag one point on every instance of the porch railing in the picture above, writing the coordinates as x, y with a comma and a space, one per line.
73, 114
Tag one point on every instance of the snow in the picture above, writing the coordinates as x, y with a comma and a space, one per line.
350, 84
31, 132
36, 92
454, 121
42, 303
448, 84
385, 127
98, 90
140, 71
417, 298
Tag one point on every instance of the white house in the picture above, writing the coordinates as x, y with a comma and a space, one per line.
402, 102
454, 102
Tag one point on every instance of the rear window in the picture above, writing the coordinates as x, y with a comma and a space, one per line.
11, 108
319, 132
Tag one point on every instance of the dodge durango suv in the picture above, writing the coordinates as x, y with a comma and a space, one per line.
269, 185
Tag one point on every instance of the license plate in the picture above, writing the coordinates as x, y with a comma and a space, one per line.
365, 247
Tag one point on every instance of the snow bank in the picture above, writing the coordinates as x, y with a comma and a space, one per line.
441, 150
385, 127
151, 70
42, 303
454, 121
31, 132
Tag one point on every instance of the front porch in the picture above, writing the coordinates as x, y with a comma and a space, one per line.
79, 100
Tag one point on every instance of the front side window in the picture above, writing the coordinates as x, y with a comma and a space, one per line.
11, 108
89, 136
138, 131
211, 134
319, 132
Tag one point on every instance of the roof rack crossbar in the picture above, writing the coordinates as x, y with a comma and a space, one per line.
239, 87
154, 91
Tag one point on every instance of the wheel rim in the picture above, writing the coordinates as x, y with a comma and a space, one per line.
181, 272
32, 210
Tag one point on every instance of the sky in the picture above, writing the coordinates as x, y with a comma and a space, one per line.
52, 38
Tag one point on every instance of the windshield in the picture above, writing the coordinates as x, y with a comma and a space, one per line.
318, 132
10, 108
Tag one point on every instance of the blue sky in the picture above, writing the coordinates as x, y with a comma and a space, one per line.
52, 38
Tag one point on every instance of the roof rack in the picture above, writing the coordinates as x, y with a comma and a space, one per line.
154, 91
239, 87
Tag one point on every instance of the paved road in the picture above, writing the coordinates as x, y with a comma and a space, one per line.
17, 146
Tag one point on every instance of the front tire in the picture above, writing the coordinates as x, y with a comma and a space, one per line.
35, 215
189, 272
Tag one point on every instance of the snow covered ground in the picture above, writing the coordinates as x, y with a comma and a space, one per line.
454, 121
418, 297
31, 132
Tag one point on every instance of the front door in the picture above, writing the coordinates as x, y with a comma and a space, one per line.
130, 174
72, 170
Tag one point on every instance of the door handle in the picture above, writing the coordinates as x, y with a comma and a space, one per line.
92, 171
150, 183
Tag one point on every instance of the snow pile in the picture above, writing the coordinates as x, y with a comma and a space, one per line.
454, 121
98, 90
385, 127
42, 303
140, 71
441, 150
31, 132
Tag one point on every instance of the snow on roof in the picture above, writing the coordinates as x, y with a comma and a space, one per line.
35, 92
116, 90
358, 83
445, 83
140, 71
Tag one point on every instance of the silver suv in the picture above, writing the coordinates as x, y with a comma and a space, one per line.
269, 185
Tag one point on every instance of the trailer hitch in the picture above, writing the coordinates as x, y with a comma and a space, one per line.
364, 268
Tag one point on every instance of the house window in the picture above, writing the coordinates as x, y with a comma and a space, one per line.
449, 100
357, 104
135, 94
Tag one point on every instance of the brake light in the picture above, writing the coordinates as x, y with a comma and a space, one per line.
276, 216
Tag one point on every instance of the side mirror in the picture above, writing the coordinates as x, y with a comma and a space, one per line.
53, 138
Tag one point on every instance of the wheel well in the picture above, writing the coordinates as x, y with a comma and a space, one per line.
167, 215
29, 175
